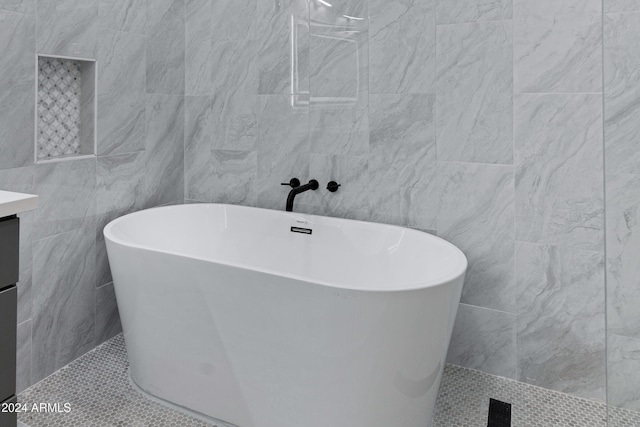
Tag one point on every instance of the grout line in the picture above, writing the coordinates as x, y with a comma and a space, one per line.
490, 21
128, 153
557, 93
35, 160
185, 131
628, 174
504, 165
515, 207
555, 245
435, 121
622, 13
604, 217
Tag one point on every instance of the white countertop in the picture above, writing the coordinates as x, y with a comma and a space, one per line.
14, 203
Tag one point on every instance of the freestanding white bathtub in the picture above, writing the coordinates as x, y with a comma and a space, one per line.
229, 313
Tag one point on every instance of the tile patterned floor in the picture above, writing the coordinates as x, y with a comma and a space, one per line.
98, 387
464, 401
623, 418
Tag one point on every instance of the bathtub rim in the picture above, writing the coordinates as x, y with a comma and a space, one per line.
458, 272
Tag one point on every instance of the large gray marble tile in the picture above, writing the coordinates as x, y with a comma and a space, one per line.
26, 238
235, 121
474, 99
340, 13
17, 44
64, 300
120, 183
87, 107
235, 83
622, 92
17, 39
337, 72
68, 27
485, 340
275, 22
124, 15
20, 180
338, 55
352, 198
559, 182
121, 92
616, 6
283, 148
197, 148
402, 46
402, 160
166, 46
561, 319
25, 293
26, 244
103, 268
20, 6
23, 356
623, 247
107, 316
557, 46
623, 372
164, 151
339, 129
199, 39
233, 19
458, 11
556, 7
67, 192
476, 213
16, 125
234, 175
338, 62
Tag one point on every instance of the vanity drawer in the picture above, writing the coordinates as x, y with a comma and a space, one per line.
8, 318
9, 251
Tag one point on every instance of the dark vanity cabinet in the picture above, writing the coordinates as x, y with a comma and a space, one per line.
9, 267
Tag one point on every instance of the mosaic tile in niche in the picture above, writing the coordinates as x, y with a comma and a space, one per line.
59, 91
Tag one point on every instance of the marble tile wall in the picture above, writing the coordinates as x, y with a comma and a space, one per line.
481, 121
66, 298
622, 183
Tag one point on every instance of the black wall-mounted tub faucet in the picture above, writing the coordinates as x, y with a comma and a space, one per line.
297, 189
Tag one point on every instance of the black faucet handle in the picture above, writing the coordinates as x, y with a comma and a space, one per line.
333, 186
293, 183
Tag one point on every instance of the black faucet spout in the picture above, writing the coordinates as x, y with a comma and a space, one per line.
312, 185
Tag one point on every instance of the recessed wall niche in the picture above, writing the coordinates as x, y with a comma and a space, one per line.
65, 108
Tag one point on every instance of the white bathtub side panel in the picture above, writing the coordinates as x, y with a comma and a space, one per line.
263, 351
